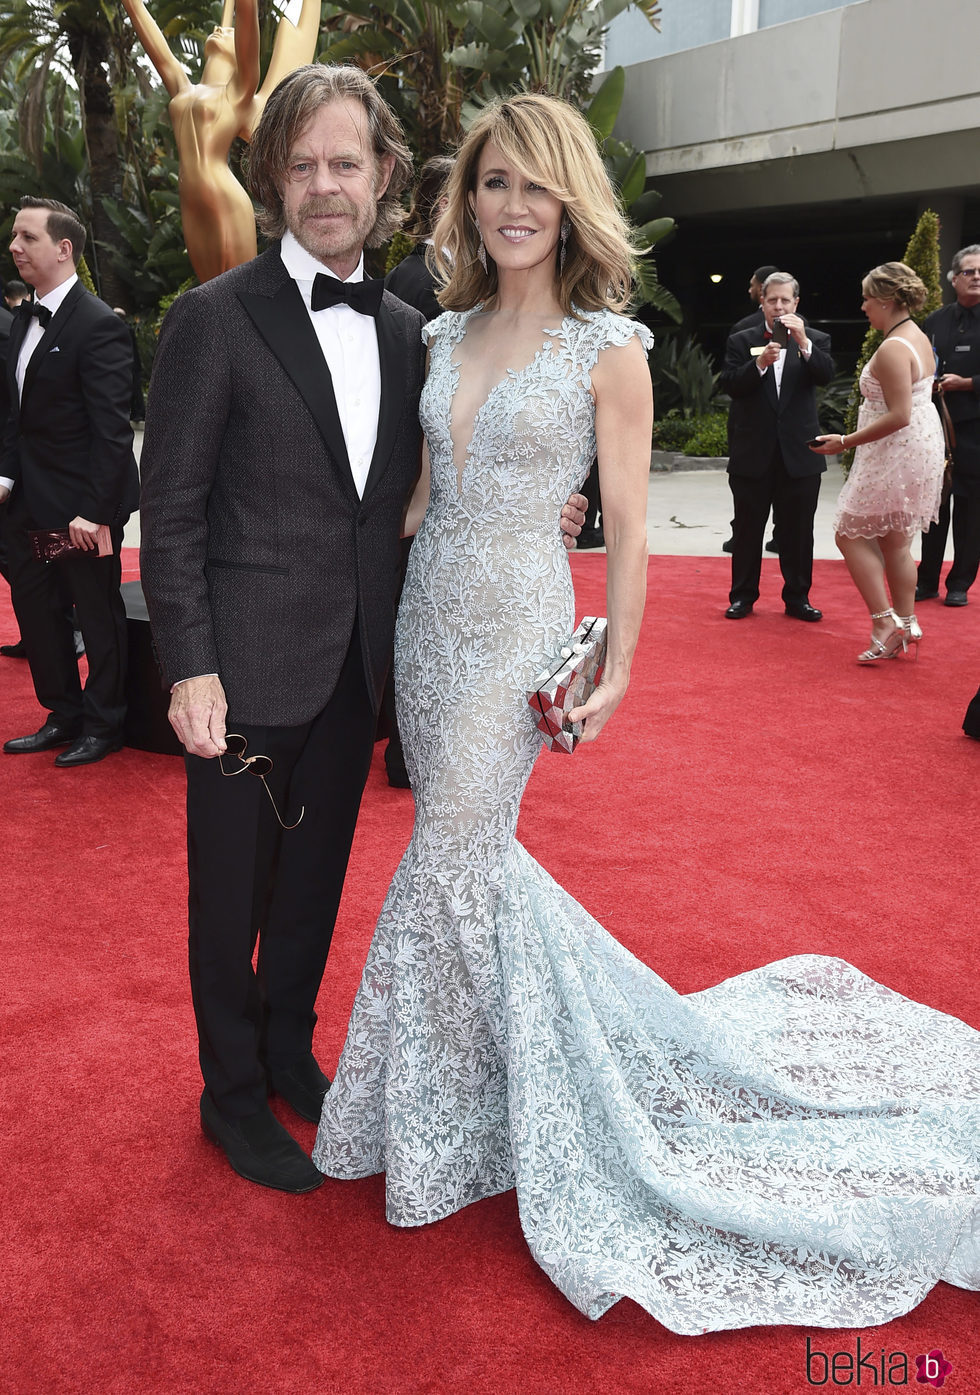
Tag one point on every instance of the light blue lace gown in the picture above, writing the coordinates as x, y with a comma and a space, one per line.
795, 1145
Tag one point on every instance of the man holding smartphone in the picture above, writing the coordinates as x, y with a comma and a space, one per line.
771, 372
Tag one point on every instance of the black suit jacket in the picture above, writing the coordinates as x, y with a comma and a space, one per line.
955, 337
68, 442
258, 557
413, 282
758, 419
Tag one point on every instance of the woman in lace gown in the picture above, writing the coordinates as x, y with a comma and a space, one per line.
894, 489
796, 1145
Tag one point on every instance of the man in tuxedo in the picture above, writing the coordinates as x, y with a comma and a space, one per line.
955, 334
772, 416
282, 443
67, 463
755, 318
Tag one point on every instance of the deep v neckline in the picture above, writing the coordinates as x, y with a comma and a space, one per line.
510, 376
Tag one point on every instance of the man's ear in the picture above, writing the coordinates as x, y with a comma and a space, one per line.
65, 250
385, 165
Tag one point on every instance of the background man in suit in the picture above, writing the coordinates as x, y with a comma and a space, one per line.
955, 334
772, 416
282, 442
67, 462
756, 284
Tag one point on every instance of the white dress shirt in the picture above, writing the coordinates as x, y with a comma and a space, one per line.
51, 301
780, 364
349, 341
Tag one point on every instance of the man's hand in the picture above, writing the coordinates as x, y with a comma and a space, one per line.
573, 519
796, 328
197, 714
83, 534
953, 382
4, 493
769, 355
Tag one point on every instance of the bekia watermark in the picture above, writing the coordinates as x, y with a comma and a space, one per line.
874, 1366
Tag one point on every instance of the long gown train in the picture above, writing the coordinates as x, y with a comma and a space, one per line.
796, 1145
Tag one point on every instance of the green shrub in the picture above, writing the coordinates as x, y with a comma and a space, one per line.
710, 436
672, 432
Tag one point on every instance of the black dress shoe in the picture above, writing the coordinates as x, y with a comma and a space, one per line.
87, 750
14, 651
303, 1086
590, 537
728, 545
772, 545
50, 735
738, 610
260, 1149
956, 598
926, 593
804, 611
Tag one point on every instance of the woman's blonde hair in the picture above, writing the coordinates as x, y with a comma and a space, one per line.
553, 145
898, 282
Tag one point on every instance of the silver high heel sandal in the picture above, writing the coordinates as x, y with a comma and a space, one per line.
887, 648
913, 632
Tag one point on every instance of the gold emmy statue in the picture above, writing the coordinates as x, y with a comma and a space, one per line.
217, 216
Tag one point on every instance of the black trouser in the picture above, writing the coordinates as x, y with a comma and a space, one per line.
966, 544
249, 878
40, 592
793, 500
594, 496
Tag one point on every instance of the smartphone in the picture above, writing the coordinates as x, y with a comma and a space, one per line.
780, 334
816, 442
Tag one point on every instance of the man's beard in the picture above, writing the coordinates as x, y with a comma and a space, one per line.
322, 241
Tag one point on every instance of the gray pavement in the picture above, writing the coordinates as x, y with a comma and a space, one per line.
688, 513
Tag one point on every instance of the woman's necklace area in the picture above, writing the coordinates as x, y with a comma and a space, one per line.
896, 325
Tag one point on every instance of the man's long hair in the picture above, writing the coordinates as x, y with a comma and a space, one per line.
290, 109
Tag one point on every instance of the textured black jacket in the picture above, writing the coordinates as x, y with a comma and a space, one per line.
258, 557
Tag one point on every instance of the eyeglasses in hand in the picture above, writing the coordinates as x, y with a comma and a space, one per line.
235, 747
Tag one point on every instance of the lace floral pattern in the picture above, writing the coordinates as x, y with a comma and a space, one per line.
895, 484
795, 1145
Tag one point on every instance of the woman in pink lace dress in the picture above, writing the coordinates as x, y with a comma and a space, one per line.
893, 490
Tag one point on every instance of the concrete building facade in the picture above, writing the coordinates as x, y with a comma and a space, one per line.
790, 132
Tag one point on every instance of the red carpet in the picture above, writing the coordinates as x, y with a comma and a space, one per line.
759, 795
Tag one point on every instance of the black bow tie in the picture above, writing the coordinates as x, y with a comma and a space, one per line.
362, 296
29, 309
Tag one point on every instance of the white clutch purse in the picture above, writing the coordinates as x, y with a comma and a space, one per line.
569, 681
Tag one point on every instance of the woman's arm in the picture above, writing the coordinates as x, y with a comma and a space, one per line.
624, 427
893, 369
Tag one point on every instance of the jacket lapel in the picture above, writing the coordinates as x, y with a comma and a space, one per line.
760, 341
791, 364
49, 338
284, 323
392, 351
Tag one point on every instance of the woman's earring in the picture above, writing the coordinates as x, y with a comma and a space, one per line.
481, 251
566, 228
